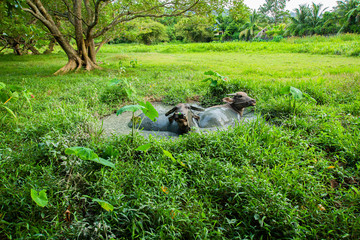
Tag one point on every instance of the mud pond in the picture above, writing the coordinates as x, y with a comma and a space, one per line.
120, 125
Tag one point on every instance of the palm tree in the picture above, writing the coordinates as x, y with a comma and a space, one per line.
250, 27
349, 12
300, 21
315, 15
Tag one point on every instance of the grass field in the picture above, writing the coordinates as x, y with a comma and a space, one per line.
287, 176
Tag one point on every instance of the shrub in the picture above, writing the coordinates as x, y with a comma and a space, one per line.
195, 29
152, 32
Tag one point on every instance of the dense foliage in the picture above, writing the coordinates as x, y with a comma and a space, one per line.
217, 21
20, 32
288, 175
238, 22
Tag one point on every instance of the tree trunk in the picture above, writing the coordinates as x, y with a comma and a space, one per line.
76, 58
50, 47
16, 47
32, 48
91, 49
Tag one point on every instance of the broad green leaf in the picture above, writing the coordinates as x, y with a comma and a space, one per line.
82, 153
213, 83
296, 93
2, 85
144, 147
129, 108
149, 111
103, 162
88, 154
114, 82
104, 204
40, 198
212, 73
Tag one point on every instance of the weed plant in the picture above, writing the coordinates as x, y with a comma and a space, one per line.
284, 176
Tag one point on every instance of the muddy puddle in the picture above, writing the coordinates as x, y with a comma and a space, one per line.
119, 125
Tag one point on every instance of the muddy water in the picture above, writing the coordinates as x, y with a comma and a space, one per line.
115, 125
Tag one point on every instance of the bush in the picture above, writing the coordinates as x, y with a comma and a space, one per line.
114, 94
278, 38
195, 29
152, 32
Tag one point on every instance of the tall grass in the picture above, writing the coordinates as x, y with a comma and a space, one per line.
283, 176
347, 45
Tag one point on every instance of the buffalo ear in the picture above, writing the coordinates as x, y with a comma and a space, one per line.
228, 100
171, 111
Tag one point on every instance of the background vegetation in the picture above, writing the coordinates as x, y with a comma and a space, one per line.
224, 20
287, 175
292, 174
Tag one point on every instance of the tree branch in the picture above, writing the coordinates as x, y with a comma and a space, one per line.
96, 16
118, 19
102, 43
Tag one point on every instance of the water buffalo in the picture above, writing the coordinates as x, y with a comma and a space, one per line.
226, 114
180, 122
184, 117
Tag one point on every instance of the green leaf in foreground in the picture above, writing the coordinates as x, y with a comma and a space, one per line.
40, 198
82, 153
104, 204
144, 147
149, 111
129, 108
212, 73
114, 82
296, 93
88, 154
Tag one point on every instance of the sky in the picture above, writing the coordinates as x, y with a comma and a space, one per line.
292, 4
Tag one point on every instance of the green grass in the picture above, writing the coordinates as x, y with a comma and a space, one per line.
348, 45
282, 177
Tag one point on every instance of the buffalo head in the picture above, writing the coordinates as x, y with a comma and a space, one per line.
183, 116
239, 101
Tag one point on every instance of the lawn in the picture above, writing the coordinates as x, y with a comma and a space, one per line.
289, 175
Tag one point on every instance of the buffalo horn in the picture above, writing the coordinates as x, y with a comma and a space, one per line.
171, 111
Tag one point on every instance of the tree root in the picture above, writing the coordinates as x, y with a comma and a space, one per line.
77, 65
70, 66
